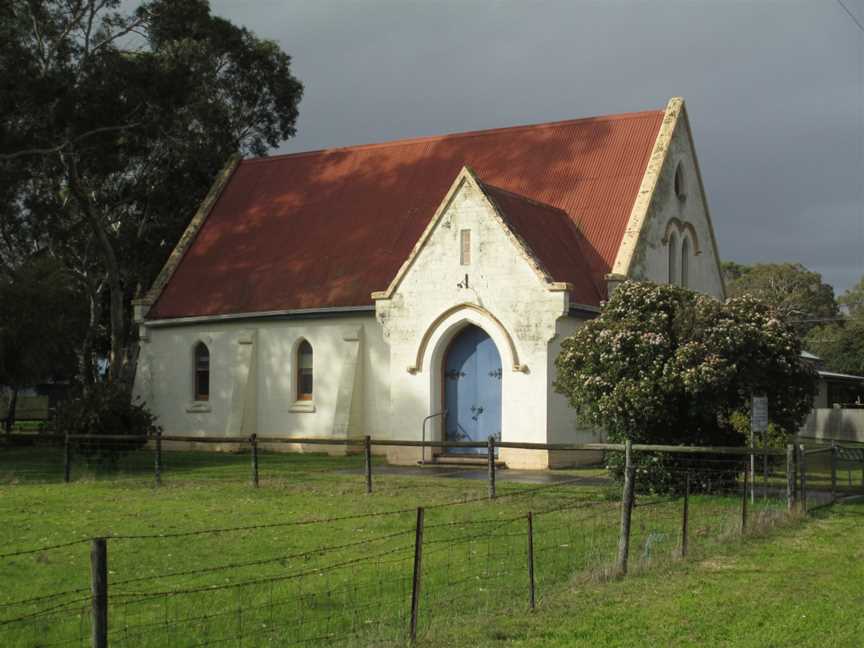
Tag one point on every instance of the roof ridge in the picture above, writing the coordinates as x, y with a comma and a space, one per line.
536, 254
456, 135
523, 197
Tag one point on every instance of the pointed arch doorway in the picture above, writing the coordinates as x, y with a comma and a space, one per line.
472, 389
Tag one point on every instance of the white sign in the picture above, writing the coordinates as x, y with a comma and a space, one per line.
759, 414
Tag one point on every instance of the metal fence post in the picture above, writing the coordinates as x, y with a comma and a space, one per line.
790, 477
157, 465
490, 449
67, 460
626, 510
99, 591
254, 441
367, 443
802, 467
418, 571
744, 505
685, 514
531, 586
833, 471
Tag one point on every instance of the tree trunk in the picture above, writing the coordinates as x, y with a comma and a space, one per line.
117, 353
10, 414
86, 369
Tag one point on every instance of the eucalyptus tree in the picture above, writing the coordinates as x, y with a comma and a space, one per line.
840, 343
113, 124
790, 290
41, 316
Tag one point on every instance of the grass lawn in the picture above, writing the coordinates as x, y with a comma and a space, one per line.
798, 586
293, 579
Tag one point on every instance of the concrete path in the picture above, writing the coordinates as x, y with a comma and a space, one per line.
477, 473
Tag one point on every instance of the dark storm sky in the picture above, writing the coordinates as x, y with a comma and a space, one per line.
773, 90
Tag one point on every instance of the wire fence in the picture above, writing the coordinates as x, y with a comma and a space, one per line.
481, 544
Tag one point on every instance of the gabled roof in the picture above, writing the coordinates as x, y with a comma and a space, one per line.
552, 239
325, 229
545, 236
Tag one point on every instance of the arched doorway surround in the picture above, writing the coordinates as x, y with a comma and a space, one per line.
432, 350
444, 326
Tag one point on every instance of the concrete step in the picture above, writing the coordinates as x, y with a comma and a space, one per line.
464, 460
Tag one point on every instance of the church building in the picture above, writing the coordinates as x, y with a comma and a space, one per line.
368, 290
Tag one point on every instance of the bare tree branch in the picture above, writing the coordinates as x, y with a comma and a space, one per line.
119, 34
40, 43
72, 23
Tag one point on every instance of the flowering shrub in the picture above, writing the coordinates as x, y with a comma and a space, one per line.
669, 366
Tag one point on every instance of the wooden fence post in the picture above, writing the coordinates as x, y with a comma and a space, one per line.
833, 471
67, 459
367, 443
254, 441
490, 450
626, 510
99, 591
790, 477
802, 467
752, 469
685, 514
531, 586
744, 504
418, 572
157, 466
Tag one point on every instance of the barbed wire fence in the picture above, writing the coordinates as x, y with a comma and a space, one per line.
405, 572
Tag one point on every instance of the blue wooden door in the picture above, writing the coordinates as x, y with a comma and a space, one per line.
472, 388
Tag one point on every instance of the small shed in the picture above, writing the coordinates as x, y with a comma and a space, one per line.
835, 389
838, 407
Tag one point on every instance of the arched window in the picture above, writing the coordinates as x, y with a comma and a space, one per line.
685, 260
304, 371
202, 372
673, 258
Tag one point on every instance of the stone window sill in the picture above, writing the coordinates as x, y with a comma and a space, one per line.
198, 407
302, 406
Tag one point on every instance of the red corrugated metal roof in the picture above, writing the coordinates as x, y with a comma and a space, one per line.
552, 238
327, 228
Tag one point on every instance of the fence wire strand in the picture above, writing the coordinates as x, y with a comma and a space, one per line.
300, 591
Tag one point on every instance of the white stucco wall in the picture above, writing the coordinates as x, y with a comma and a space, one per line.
351, 393
564, 426
687, 217
834, 424
428, 301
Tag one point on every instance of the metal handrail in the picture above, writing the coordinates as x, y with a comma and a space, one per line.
423, 426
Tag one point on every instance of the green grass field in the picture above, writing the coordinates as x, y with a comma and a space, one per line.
294, 579
797, 586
